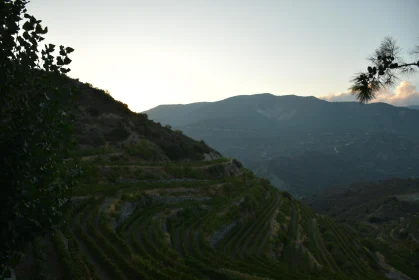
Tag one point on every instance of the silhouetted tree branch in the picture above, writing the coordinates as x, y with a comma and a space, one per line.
385, 68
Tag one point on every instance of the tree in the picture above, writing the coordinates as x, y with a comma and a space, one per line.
35, 132
385, 68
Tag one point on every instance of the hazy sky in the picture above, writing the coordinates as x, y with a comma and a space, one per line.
148, 53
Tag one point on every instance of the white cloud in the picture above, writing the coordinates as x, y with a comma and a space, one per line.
405, 94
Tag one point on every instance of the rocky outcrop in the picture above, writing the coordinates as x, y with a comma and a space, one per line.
212, 156
233, 169
221, 233
128, 208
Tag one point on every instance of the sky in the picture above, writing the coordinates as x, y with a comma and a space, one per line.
148, 53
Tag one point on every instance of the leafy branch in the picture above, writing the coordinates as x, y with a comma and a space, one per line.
385, 68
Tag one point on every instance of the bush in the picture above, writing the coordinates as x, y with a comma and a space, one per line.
287, 195
112, 174
144, 149
403, 233
237, 163
97, 140
117, 134
368, 244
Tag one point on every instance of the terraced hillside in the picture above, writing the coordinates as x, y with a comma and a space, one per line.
385, 212
192, 220
155, 204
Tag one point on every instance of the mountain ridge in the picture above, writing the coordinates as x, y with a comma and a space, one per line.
274, 130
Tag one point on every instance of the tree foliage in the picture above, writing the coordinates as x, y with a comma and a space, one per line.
35, 132
386, 65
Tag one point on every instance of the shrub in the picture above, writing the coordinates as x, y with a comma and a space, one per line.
117, 134
237, 163
403, 233
144, 149
112, 174
369, 244
287, 195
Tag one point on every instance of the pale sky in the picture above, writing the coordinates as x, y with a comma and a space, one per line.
148, 53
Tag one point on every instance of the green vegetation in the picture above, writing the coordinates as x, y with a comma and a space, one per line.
222, 227
35, 131
144, 149
384, 215
177, 229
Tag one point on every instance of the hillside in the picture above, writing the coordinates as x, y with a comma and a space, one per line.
102, 121
386, 210
285, 138
413, 107
142, 211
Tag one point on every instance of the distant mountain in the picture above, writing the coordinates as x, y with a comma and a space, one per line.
416, 107
306, 143
302, 114
176, 113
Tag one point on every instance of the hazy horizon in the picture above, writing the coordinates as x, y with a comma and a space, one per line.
147, 53
344, 97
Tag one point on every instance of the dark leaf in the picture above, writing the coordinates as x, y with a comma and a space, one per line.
59, 61
67, 60
38, 29
27, 26
69, 50
51, 47
26, 35
64, 70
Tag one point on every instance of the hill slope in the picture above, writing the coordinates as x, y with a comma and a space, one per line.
144, 212
286, 137
102, 121
385, 211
